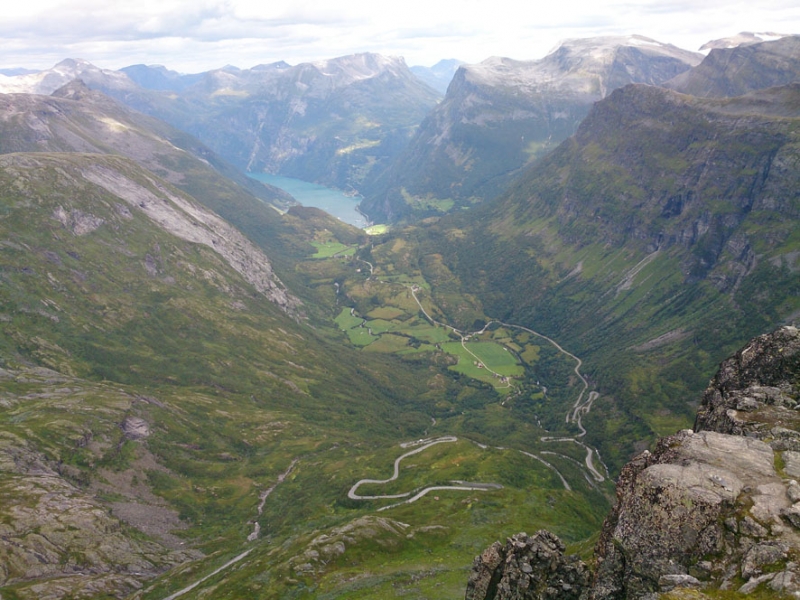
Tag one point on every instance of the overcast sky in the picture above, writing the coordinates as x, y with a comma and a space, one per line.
205, 34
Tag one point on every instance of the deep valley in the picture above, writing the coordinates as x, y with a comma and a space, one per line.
208, 390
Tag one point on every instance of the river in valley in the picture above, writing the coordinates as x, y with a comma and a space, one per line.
334, 202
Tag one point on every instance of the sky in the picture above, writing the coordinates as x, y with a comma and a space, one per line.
199, 35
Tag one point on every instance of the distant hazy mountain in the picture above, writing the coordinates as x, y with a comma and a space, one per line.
49, 80
501, 114
334, 121
744, 38
17, 71
158, 77
439, 75
741, 69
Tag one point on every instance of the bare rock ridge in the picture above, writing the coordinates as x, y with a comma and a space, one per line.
717, 508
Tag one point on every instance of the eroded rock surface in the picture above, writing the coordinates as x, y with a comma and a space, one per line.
756, 392
703, 510
528, 568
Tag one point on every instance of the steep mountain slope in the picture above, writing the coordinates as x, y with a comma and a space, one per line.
77, 119
105, 269
657, 238
742, 69
501, 114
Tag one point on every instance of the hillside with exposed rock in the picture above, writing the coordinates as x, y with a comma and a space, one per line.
711, 509
737, 70
157, 377
653, 241
501, 114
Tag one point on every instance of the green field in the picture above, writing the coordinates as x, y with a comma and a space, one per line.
346, 320
329, 249
360, 336
497, 358
492, 356
377, 229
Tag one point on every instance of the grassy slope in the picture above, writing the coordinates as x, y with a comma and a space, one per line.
138, 323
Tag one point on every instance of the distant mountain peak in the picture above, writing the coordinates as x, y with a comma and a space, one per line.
360, 66
47, 81
280, 65
571, 61
742, 68
744, 38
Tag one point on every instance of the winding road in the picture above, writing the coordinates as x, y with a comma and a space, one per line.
579, 408
460, 485
574, 416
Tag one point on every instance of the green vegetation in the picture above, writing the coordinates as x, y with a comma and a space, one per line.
108, 320
131, 321
327, 250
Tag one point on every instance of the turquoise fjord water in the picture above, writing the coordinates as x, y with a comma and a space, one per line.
334, 202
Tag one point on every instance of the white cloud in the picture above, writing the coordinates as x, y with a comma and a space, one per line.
203, 34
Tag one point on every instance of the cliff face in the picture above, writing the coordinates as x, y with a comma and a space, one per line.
500, 115
714, 508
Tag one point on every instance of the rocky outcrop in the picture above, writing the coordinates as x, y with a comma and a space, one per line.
755, 392
703, 510
528, 568
717, 508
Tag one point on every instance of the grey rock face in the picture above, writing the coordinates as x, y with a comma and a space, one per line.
698, 497
742, 69
528, 568
755, 393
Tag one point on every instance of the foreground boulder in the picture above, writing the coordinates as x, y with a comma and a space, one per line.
714, 508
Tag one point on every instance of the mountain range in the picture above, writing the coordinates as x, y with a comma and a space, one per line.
502, 114
209, 391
